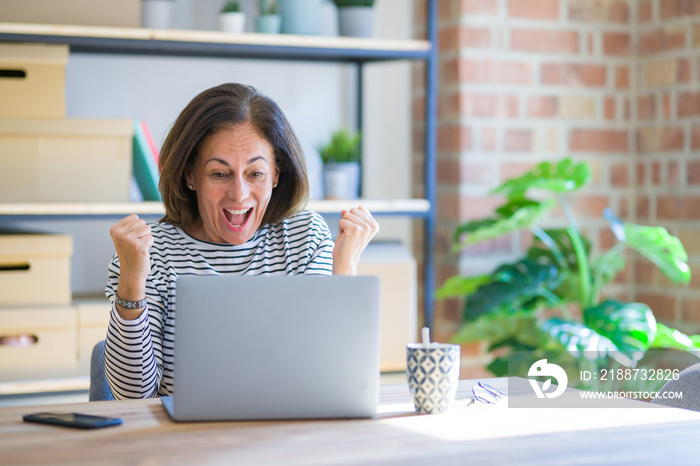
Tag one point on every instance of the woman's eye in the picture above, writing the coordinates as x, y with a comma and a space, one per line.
256, 174
219, 176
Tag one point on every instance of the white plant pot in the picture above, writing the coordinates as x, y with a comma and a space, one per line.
233, 23
341, 180
156, 14
355, 21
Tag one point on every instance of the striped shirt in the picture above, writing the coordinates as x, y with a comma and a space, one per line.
139, 353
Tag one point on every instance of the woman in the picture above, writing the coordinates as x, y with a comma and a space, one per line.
233, 183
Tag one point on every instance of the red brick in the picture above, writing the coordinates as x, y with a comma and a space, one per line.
461, 37
454, 138
660, 41
695, 138
690, 310
512, 106
622, 77
610, 107
619, 175
693, 169
479, 7
688, 104
518, 140
644, 9
616, 11
497, 72
447, 10
448, 172
539, 40
477, 173
500, 245
670, 9
617, 43
666, 105
642, 209
488, 139
419, 13
669, 207
684, 73
542, 106
534, 9
602, 140
673, 175
589, 206
646, 107
489, 105
663, 306
656, 173
573, 74
657, 139
449, 71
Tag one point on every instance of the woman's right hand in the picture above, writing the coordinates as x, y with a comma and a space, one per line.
132, 240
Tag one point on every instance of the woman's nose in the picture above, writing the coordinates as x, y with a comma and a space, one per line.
239, 189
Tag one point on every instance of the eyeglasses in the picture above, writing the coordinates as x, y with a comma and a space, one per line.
485, 393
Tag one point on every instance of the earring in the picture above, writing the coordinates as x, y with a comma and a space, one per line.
191, 187
274, 186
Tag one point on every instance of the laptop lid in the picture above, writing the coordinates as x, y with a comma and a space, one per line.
276, 347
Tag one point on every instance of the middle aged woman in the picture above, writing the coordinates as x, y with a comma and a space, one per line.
233, 183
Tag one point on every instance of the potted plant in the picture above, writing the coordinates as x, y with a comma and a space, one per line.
300, 16
551, 298
268, 21
156, 14
231, 18
355, 17
341, 165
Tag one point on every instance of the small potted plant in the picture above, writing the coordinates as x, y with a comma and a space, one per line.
231, 18
355, 17
268, 21
341, 165
156, 14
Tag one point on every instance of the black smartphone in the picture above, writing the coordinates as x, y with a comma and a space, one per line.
80, 421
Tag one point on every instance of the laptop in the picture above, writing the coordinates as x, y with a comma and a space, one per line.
275, 347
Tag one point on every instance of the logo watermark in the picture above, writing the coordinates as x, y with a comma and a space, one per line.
558, 379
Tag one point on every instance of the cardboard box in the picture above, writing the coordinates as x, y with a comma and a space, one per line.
35, 269
71, 160
33, 80
37, 343
396, 268
120, 13
93, 320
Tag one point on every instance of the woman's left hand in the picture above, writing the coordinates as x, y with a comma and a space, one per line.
356, 229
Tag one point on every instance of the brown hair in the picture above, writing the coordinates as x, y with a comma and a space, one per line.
215, 109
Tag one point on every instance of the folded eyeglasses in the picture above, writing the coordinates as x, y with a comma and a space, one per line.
485, 393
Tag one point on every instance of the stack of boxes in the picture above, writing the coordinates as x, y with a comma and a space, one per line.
46, 157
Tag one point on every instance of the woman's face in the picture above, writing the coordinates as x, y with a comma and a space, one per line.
233, 178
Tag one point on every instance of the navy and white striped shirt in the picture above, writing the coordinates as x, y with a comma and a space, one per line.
139, 353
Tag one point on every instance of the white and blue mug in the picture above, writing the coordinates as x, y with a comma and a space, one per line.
433, 375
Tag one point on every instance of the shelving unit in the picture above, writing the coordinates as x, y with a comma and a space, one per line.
181, 43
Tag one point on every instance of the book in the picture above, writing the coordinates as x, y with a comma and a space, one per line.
144, 163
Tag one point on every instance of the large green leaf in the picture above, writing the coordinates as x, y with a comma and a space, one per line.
630, 326
512, 216
562, 240
563, 176
513, 288
458, 286
660, 247
667, 337
580, 341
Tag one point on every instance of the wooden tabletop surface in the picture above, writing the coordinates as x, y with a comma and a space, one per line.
469, 433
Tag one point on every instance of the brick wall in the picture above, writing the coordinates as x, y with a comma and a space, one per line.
614, 82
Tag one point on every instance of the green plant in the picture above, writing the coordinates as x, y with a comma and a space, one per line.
231, 7
267, 7
550, 299
344, 146
344, 3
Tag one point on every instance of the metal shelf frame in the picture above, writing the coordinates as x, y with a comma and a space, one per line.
338, 50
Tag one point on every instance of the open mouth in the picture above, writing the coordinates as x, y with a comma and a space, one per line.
237, 217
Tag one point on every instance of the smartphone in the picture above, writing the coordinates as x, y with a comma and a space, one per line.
80, 421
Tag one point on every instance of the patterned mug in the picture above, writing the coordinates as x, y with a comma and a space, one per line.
433, 375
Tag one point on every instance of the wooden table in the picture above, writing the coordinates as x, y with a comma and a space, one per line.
467, 434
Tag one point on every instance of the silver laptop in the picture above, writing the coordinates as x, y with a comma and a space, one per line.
275, 347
